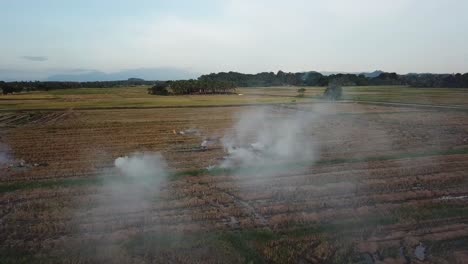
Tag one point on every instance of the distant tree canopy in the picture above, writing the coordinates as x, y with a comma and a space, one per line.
301, 92
313, 78
437, 80
282, 78
8, 88
159, 89
225, 82
192, 87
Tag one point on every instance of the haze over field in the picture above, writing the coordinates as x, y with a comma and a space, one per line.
102, 40
234, 131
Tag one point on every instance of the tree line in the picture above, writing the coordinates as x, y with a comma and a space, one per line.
192, 87
225, 82
317, 79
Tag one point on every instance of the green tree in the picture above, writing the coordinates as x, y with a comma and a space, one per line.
301, 92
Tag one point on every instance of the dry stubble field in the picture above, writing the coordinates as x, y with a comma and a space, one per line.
384, 180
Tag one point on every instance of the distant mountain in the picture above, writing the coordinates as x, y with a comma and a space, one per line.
8, 75
372, 74
328, 73
160, 74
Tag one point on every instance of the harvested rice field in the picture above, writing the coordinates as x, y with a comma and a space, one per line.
287, 182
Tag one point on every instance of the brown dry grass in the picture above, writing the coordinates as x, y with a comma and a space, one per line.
382, 172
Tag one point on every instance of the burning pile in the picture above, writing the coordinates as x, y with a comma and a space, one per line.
262, 138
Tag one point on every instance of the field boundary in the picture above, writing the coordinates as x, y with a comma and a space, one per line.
413, 105
154, 107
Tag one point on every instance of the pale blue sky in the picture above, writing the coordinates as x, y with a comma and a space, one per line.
59, 36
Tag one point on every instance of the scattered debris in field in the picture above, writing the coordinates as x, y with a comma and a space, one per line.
22, 164
209, 142
449, 197
233, 222
42, 164
190, 131
204, 144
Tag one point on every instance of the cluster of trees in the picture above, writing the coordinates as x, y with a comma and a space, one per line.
10, 87
317, 79
437, 80
159, 89
254, 80
301, 92
311, 78
192, 87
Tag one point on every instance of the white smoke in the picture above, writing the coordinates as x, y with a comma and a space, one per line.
144, 166
139, 177
269, 136
123, 202
128, 188
4, 154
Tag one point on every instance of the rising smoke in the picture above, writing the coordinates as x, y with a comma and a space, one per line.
267, 137
136, 180
142, 166
122, 202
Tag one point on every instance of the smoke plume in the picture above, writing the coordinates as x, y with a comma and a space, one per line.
143, 167
266, 137
124, 200
135, 180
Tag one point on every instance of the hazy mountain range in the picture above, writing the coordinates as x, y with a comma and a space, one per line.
161, 74
83, 75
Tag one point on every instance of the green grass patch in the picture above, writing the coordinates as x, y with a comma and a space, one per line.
224, 243
16, 256
341, 227
242, 242
444, 248
46, 184
435, 211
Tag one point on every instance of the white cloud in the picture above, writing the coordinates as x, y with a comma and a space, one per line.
294, 35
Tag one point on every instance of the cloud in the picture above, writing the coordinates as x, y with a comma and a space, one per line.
298, 35
35, 58
262, 36
265, 35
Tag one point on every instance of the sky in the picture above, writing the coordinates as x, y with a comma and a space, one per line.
41, 38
